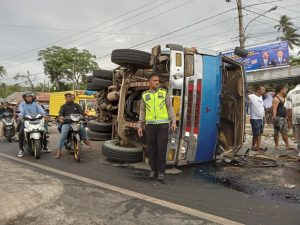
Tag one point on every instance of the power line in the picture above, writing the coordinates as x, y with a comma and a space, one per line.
65, 29
196, 30
149, 18
113, 25
177, 30
284, 7
90, 28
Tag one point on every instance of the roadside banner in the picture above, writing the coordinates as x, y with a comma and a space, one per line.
267, 56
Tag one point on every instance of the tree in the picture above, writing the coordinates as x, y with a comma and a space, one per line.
284, 24
79, 64
2, 74
7, 90
54, 61
288, 31
28, 79
63, 65
2, 71
295, 61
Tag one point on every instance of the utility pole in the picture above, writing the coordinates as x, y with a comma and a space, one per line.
241, 24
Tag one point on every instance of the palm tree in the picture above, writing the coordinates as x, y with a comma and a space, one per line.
284, 23
2, 71
294, 61
292, 38
288, 31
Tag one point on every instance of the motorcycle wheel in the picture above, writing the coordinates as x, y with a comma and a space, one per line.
77, 150
36, 147
9, 139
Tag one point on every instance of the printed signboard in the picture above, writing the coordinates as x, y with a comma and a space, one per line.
264, 56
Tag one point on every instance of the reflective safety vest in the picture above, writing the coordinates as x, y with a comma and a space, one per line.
155, 107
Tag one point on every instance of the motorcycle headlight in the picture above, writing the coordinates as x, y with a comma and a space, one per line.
35, 122
75, 118
173, 140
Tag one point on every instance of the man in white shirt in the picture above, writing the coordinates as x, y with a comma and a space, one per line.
257, 114
292, 103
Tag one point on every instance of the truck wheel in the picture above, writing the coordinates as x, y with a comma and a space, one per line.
92, 87
37, 148
94, 125
104, 74
132, 57
89, 79
113, 151
101, 83
98, 136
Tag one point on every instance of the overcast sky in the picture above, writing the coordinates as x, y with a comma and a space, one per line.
100, 26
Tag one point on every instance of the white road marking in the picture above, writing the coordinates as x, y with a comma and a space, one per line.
170, 205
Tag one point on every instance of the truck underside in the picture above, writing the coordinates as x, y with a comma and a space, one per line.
120, 104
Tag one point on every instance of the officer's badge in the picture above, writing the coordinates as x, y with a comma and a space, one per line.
160, 95
148, 97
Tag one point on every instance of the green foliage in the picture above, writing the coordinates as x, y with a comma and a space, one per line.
288, 31
27, 79
295, 61
6, 90
284, 24
66, 65
2, 71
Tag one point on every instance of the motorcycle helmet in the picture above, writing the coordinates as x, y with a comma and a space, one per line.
25, 94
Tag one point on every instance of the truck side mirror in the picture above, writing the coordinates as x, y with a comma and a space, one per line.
241, 52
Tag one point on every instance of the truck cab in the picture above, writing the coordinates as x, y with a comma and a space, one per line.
207, 90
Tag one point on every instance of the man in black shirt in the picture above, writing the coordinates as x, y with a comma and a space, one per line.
66, 110
279, 117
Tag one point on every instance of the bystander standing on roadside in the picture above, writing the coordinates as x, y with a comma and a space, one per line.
268, 106
257, 114
279, 117
289, 119
293, 105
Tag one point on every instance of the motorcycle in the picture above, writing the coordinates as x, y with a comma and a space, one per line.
34, 134
9, 129
73, 143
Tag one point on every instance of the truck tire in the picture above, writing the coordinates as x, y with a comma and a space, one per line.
101, 83
104, 74
97, 136
92, 87
94, 125
115, 152
131, 57
89, 79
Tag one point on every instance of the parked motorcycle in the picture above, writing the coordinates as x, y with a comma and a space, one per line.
34, 134
73, 143
9, 129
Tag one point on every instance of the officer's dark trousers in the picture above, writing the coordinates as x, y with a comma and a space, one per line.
157, 142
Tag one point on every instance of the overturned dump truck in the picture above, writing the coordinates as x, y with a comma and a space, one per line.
208, 96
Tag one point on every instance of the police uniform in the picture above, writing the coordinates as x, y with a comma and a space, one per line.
156, 113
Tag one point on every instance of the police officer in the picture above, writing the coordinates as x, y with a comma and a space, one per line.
156, 112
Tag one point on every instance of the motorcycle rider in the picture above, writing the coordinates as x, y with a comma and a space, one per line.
4, 108
70, 107
28, 107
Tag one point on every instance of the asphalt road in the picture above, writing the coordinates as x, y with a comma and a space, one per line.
185, 189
